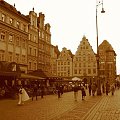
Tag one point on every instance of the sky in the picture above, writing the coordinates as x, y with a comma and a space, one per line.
70, 20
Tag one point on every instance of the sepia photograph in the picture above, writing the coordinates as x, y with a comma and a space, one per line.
59, 60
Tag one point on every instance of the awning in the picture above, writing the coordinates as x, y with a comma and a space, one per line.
9, 74
28, 76
9, 69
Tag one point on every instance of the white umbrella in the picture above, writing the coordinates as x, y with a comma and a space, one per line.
76, 79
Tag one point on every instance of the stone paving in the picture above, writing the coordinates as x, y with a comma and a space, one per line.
51, 108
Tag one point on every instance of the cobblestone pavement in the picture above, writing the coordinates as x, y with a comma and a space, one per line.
51, 108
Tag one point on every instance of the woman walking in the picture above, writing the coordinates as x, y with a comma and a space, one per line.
22, 95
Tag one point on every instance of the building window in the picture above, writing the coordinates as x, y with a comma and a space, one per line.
42, 34
18, 24
35, 66
30, 65
35, 39
35, 52
17, 58
84, 64
2, 36
94, 71
79, 71
30, 50
24, 27
23, 59
64, 68
11, 21
75, 71
17, 41
10, 57
89, 71
3, 17
30, 37
79, 64
23, 44
10, 38
75, 64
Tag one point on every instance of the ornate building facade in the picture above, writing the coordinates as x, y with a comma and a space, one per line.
13, 35
25, 40
32, 42
44, 42
84, 61
64, 64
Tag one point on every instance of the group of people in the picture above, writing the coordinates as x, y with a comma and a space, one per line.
83, 92
23, 95
106, 88
92, 88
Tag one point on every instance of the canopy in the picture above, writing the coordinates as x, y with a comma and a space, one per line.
76, 79
28, 76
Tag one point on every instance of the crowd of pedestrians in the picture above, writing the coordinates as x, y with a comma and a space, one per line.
106, 88
23, 94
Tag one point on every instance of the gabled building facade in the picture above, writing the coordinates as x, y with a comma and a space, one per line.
107, 62
84, 61
64, 64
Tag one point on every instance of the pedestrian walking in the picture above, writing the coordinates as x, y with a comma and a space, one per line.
107, 88
42, 91
75, 89
58, 91
22, 96
103, 88
89, 87
94, 87
61, 89
112, 89
83, 92
34, 91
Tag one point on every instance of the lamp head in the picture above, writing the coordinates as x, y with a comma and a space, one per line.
103, 11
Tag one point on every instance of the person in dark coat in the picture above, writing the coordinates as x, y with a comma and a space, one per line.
89, 87
58, 90
61, 89
107, 88
83, 92
94, 87
35, 90
42, 91
75, 89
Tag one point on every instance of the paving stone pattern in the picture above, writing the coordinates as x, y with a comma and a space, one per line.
51, 108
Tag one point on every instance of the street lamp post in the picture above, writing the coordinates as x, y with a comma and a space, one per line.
98, 72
